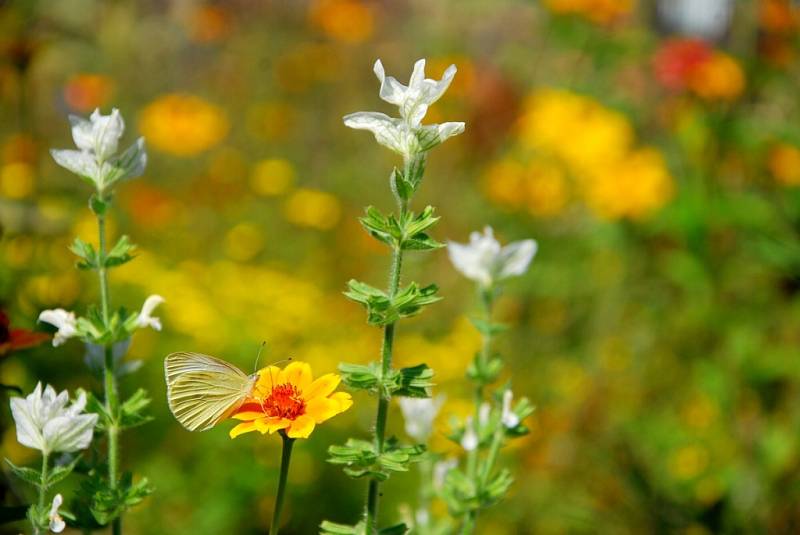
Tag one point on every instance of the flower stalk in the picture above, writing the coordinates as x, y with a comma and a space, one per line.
401, 231
286, 457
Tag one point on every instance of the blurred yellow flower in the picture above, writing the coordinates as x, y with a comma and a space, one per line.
574, 127
16, 180
784, 164
290, 399
182, 125
547, 193
272, 176
634, 187
349, 21
243, 242
85, 92
503, 182
718, 78
597, 11
313, 208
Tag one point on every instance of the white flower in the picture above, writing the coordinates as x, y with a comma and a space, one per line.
64, 321
45, 422
509, 418
144, 319
440, 470
100, 134
419, 414
469, 441
421, 92
57, 523
96, 159
483, 414
485, 261
406, 135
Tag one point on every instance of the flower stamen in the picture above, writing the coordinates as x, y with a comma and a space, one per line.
284, 401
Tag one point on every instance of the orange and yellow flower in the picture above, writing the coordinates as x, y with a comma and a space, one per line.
182, 124
290, 400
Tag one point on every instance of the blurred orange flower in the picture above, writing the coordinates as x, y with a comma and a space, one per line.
85, 92
719, 78
784, 164
290, 399
349, 21
596, 11
208, 24
693, 64
182, 124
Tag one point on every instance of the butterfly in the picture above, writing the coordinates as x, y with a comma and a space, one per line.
203, 390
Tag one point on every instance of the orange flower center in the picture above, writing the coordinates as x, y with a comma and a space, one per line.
284, 401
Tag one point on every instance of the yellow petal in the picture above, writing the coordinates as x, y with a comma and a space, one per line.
322, 386
298, 374
248, 415
267, 378
242, 428
344, 400
322, 408
301, 427
270, 425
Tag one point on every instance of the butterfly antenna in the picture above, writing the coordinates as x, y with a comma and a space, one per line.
258, 355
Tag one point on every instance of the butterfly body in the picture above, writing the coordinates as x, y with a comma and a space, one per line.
203, 390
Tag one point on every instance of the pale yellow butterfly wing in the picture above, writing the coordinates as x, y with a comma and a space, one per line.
203, 390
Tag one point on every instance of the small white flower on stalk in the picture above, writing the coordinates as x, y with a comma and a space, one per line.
440, 471
509, 418
485, 261
45, 422
96, 159
469, 441
484, 412
419, 414
57, 523
64, 321
145, 318
407, 135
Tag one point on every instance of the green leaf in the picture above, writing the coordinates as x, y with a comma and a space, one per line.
29, 475
87, 254
397, 529
132, 410
107, 503
488, 328
97, 205
413, 382
332, 528
60, 472
359, 376
96, 406
120, 254
379, 226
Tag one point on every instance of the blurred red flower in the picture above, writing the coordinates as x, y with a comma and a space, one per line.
12, 340
678, 59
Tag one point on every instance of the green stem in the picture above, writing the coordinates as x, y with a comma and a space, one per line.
109, 378
42, 489
487, 302
468, 525
494, 450
373, 492
286, 456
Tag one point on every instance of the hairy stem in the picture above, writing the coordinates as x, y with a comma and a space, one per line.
373, 492
286, 457
42, 489
109, 378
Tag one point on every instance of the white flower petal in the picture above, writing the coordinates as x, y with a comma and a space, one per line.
391, 90
64, 321
106, 131
145, 318
79, 162
469, 441
419, 414
509, 418
82, 133
57, 523
44, 422
389, 132
516, 257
